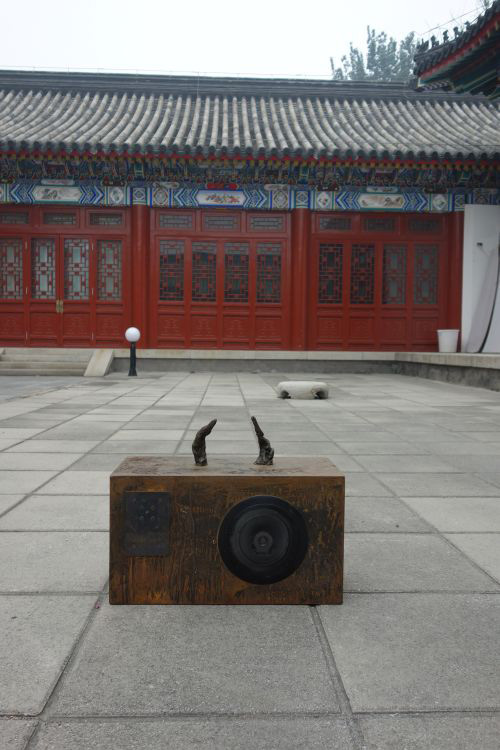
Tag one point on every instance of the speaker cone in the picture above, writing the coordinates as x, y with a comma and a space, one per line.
263, 539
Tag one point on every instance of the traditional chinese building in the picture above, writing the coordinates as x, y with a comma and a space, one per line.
236, 213
468, 63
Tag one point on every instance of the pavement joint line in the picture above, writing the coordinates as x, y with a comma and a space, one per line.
134, 388
282, 716
337, 683
195, 412
176, 717
71, 655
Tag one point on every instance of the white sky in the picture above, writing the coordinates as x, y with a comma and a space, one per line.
256, 37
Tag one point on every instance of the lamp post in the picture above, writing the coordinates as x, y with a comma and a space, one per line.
132, 335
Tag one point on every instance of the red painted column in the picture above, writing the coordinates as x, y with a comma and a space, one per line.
301, 236
455, 260
140, 272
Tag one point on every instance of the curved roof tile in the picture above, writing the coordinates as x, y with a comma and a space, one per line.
321, 119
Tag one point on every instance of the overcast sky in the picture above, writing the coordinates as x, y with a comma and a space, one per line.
251, 37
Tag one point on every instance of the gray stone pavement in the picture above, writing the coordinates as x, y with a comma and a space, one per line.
411, 660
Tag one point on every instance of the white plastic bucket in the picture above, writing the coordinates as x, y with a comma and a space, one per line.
448, 339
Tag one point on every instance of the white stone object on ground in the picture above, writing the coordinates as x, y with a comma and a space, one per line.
302, 389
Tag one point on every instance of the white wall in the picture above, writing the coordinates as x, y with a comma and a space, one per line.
481, 225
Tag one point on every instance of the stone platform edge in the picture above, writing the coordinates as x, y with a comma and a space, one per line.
459, 359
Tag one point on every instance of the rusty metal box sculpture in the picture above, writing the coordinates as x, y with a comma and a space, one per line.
228, 533
231, 532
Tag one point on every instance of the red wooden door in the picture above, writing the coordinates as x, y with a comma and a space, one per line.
379, 282
44, 291
219, 280
63, 286
13, 291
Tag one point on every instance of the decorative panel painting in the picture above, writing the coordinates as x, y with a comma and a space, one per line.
204, 271
426, 275
171, 270
331, 260
362, 274
109, 270
268, 272
394, 275
76, 269
43, 268
236, 256
11, 269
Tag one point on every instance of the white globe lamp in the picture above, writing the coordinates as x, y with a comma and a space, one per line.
132, 335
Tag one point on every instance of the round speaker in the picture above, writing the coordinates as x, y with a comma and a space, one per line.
263, 539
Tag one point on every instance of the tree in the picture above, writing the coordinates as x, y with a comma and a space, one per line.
385, 59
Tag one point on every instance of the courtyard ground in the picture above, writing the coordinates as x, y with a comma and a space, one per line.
410, 660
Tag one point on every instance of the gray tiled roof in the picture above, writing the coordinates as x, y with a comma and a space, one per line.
94, 113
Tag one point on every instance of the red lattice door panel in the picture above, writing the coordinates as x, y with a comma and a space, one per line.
217, 291
12, 291
379, 282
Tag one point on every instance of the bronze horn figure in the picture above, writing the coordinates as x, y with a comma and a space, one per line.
266, 452
199, 447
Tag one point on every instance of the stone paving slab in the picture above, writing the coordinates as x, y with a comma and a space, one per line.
12, 482
37, 461
458, 514
146, 660
483, 549
8, 501
382, 514
405, 463
59, 512
416, 652
14, 733
184, 734
78, 483
409, 562
38, 634
421, 484
443, 732
54, 446
53, 561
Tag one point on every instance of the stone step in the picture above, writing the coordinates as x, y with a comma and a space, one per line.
21, 361
36, 363
60, 372
48, 355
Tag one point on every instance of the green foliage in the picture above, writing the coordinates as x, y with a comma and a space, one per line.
385, 59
